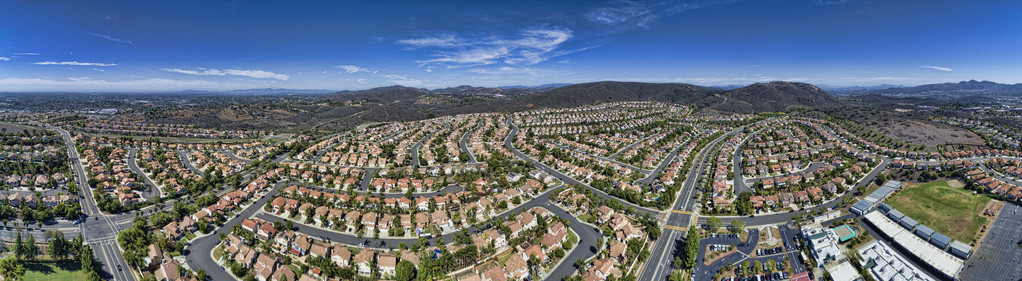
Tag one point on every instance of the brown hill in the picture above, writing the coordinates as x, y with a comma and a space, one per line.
396, 103
770, 97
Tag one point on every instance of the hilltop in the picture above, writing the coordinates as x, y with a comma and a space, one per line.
398, 103
769, 97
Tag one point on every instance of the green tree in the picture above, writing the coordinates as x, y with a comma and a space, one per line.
405, 271
713, 223
691, 247
31, 250
11, 268
19, 246
737, 226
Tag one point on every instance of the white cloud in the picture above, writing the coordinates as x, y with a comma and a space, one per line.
626, 12
201, 71
403, 80
530, 47
261, 74
75, 63
937, 68
362, 81
504, 70
5, 59
85, 84
352, 68
445, 40
111, 38
26, 54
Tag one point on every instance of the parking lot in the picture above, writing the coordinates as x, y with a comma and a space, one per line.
998, 255
745, 250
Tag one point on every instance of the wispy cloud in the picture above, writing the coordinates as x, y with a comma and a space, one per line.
111, 38
937, 68
504, 70
201, 71
75, 63
261, 74
26, 54
78, 84
257, 74
530, 46
443, 40
623, 12
628, 15
352, 68
403, 80
5, 59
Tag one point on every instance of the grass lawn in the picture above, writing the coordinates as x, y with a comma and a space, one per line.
572, 241
54, 271
953, 211
503, 258
585, 217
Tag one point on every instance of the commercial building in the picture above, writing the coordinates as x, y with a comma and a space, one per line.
960, 249
939, 260
886, 264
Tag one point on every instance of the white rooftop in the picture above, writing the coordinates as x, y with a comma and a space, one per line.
890, 265
943, 261
844, 272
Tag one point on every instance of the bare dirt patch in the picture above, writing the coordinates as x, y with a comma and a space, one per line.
927, 133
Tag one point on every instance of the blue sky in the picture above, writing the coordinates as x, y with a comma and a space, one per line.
220, 45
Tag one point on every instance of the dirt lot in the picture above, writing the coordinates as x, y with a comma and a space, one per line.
12, 128
912, 127
927, 133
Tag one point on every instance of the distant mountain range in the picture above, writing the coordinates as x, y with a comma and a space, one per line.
397, 103
345, 109
835, 90
267, 91
950, 91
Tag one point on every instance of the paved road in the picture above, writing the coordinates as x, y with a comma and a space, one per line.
450, 189
198, 256
463, 143
100, 229
564, 178
630, 166
812, 166
659, 168
660, 265
198, 251
153, 191
739, 184
235, 157
367, 179
743, 250
414, 151
785, 217
183, 154
998, 256
626, 148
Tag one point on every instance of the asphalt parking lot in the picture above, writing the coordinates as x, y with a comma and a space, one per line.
998, 255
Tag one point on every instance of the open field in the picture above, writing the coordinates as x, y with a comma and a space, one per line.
943, 206
54, 271
16, 128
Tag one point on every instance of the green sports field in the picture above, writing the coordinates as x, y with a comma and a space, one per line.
70, 271
953, 211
